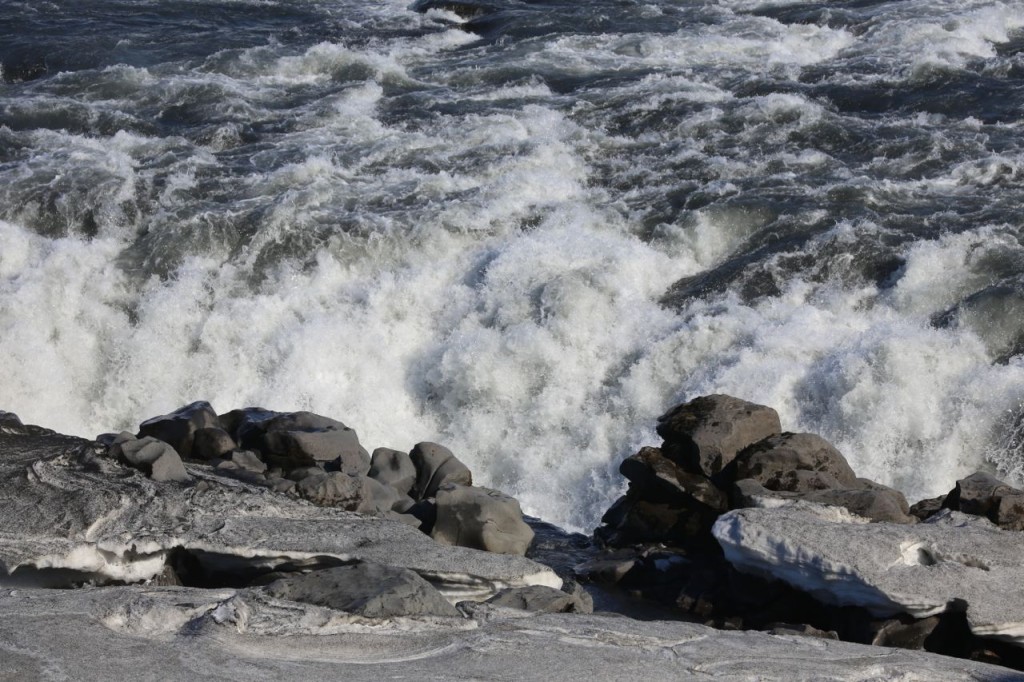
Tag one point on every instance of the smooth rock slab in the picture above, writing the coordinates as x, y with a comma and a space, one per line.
181, 635
922, 569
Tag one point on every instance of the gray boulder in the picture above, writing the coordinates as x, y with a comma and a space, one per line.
436, 466
795, 462
480, 518
393, 468
347, 491
541, 599
212, 442
179, 427
303, 439
366, 589
153, 457
705, 434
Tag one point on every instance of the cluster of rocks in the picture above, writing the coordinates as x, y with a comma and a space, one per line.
664, 538
321, 460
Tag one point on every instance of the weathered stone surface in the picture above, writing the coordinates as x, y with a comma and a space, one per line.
212, 443
153, 457
658, 479
179, 427
436, 466
244, 636
393, 468
96, 524
710, 431
795, 462
541, 599
1009, 512
348, 491
923, 569
366, 589
480, 518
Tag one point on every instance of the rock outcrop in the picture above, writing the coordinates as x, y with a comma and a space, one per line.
922, 570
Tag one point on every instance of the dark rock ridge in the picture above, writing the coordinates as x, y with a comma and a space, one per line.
321, 460
663, 540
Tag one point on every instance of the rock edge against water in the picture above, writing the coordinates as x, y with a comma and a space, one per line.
217, 553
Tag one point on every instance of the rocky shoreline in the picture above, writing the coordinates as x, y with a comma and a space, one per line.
269, 536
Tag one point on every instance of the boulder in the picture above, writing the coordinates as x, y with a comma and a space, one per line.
393, 468
705, 434
179, 427
366, 589
978, 494
303, 438
656, 478
347, 491
212, 442
795, 462
541, 599
154, 457
436, 466
632, 520
247, 460
480, 518
10, 422
922, 570
925, 508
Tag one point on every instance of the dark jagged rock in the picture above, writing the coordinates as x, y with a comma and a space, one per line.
794, 462
656, 478
978, 494
212, 443
925, 508
393, 468
541, 599
366, 589
480, 518
179, 427
436, 466
705, 434
632, 520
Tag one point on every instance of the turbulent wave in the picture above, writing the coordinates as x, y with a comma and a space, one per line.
522, 228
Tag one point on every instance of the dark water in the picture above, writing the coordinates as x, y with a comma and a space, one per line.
522, 228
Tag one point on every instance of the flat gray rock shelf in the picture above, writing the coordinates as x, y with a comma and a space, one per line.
957, 563
179, 633
70, 516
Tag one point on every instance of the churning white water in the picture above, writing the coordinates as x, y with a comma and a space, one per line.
522, 230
